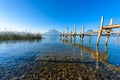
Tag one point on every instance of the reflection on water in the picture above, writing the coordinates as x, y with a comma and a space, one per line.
117, 40
53, 59
95, 54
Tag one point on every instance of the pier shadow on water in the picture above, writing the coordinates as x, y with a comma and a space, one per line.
55, 59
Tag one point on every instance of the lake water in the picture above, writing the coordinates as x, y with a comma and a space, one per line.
55, 59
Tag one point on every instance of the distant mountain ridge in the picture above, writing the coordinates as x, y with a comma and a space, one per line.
52, 32
89, 31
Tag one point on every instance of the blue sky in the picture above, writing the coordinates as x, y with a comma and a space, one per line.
42, 15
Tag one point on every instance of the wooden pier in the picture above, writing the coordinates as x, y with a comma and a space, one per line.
107, 29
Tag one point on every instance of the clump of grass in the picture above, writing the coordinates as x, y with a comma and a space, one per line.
19, 36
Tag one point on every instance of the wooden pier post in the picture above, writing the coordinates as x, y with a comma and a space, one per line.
74, 28
100, 31
63, 34
106, 48
74, 35
107, 38
67, 31
108, 33
82, 35
83, 30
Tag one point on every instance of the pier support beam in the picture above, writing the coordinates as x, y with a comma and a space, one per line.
82, 34
108, 33
74, 30
63, 34
106, 49
107, 38
100, 31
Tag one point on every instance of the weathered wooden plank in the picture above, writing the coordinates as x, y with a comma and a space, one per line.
104, 30
112, 26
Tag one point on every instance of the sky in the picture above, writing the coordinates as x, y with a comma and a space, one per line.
42, 15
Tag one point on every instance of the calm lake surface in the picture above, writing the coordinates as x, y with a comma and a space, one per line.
53, 58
